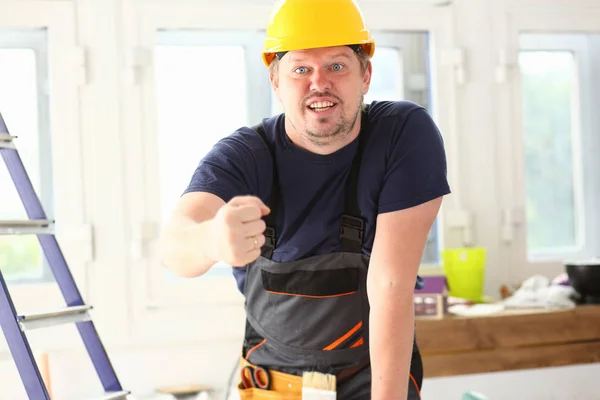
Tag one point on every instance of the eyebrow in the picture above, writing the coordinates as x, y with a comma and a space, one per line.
336, 55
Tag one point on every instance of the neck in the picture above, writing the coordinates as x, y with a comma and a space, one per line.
302, 140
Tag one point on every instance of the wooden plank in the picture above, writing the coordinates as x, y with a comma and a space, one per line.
506, 331
499, 360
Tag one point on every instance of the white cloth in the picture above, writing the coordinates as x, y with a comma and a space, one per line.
538, 292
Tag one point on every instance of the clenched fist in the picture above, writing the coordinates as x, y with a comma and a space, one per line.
237, 231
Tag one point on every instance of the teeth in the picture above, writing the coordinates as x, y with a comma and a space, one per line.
321, 104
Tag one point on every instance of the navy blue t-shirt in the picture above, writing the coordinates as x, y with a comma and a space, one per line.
403, 165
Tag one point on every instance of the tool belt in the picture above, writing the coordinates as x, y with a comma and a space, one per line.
284, 386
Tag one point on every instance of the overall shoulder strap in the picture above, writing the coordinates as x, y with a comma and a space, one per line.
352, 225
269, 246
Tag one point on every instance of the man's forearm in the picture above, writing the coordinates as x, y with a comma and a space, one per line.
391, 341
183, 247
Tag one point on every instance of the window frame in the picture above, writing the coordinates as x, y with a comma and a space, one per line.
396, 39
36, 40
559, 19
219, 280
58, 19
583, 142
158, 304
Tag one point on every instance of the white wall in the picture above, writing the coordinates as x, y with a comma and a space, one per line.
156, 337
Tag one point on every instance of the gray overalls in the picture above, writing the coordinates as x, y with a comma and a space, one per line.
313, 313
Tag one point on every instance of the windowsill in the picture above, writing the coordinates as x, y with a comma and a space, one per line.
512, 340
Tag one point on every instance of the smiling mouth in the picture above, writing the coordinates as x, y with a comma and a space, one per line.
321, 106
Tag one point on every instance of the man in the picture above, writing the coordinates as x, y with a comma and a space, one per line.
323, 212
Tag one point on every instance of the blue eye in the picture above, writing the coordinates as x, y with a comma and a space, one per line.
301, 70
337, 67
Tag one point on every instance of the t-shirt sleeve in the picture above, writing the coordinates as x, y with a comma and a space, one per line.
229, 169
416, 164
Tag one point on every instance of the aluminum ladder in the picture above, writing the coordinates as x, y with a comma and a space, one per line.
76, 311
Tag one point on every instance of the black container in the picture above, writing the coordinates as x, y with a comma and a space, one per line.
584, 277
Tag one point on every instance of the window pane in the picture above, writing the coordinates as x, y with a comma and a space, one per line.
549, 88
18, 105
20, 255
387, 82
199, 102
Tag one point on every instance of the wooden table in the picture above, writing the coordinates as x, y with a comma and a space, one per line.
511, 340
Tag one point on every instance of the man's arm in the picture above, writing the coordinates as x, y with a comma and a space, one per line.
204, 230
185, 237
400, 239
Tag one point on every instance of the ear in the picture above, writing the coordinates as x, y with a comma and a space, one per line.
274, 82
367, 78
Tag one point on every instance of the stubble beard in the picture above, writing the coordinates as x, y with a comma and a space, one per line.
338, 133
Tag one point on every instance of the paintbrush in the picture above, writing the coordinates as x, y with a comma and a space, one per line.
318, 386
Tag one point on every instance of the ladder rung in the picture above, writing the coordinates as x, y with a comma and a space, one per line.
25, 227
57, 317
113, 395
6, 141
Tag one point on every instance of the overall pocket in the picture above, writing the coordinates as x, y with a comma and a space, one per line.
318, 303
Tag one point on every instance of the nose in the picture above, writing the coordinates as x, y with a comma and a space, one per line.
319, 81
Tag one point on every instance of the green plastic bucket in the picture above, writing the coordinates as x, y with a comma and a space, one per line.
465, 270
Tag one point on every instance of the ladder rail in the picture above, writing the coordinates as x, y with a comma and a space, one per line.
97, 353
35, 211
19, 347
87, 330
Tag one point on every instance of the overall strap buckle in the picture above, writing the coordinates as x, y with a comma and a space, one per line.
270, 238
352, 228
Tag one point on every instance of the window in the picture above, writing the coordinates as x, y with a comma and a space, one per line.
199, 102
559, 167
400, 72
550, 128
24, 107
203, 86
387, 82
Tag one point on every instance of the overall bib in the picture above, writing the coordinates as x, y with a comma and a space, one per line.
312, 314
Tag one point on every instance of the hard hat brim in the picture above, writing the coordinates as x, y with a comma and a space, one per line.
268, 55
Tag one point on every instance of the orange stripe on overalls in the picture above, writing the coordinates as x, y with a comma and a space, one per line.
346, 336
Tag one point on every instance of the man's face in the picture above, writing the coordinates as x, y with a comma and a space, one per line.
321, 91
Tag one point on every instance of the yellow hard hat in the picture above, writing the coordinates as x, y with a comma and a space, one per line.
309, 24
